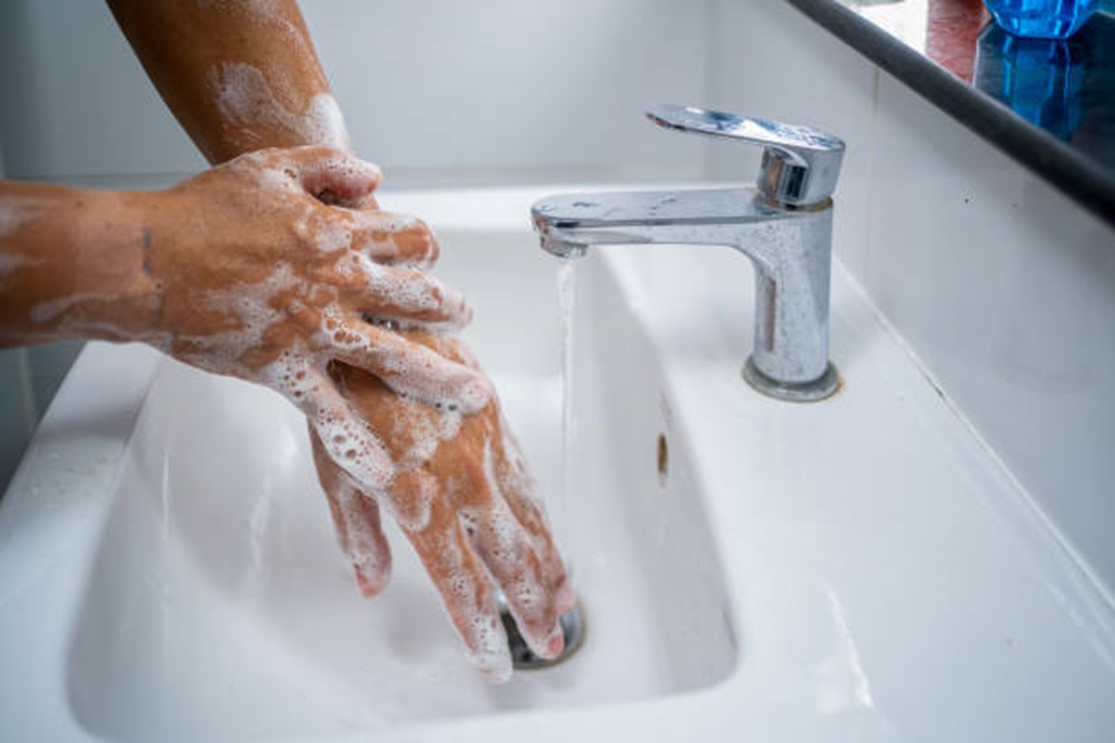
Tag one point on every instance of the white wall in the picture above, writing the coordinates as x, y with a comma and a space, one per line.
473, 90
75, 100
1002, 287
507, 84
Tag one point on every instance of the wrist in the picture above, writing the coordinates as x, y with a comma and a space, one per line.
113, 296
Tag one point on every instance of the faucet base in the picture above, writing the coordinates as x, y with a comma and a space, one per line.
820, 388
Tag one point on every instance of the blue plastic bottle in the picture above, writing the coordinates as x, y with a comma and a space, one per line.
1040, 79
1041, 19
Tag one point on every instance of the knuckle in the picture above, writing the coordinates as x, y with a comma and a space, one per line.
413, 239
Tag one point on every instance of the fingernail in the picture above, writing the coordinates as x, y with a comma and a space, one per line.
555, 643
367, 589
497, 676
369, 585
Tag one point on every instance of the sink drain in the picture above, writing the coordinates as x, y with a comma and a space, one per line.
523, 658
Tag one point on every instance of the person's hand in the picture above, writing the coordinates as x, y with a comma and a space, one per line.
462, 496
265, 269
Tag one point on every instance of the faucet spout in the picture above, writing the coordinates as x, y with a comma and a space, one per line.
783, 223
790, 249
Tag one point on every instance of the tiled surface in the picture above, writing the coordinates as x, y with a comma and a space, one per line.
1006, 290
1002, 287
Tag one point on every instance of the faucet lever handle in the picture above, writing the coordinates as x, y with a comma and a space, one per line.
800, 165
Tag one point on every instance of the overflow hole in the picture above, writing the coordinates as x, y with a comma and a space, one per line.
663, 459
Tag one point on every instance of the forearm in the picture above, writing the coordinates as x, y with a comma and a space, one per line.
72, 265
238, 77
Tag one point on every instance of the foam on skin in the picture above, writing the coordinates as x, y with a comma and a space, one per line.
346, 436
506, 546
414, 513
14, 213
310, 305
412, 291
514, 477
276, 169
245, 100
467, 393
411, 371
257, 309
12, 262
465, 512
44, 312
380, 244
361, 539
324, 122
252, 306
269, 310
477, 621
325, 236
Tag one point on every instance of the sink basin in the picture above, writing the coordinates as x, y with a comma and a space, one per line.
218, 605
862, 568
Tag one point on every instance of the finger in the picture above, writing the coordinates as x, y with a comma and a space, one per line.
468, 598
517, 487
406, 367
405, 295
346, 437
410, 499
333, 176
507, 552
357, 521
395, 239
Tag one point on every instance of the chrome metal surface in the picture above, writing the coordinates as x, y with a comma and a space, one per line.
800, 165
826, 386
791, 248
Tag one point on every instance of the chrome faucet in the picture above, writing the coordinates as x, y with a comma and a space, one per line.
783, 224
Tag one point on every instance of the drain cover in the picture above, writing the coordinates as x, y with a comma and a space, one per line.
523, 658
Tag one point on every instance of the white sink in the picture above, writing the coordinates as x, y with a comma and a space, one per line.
860, 568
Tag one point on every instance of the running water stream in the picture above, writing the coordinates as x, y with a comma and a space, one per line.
566, 280
559, 509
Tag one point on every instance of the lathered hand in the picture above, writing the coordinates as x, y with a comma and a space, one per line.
264, 274
264, 268
462, 496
